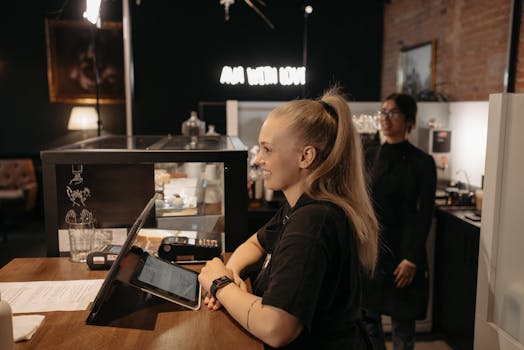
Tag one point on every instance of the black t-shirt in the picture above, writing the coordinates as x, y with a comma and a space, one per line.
312, 272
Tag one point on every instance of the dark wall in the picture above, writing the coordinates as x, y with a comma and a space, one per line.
29, 122
179, 50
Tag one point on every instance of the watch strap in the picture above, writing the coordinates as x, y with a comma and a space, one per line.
219, 283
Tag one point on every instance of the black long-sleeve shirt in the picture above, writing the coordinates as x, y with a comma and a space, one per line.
402, 181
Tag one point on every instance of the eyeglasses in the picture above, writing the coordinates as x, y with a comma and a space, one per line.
390, 114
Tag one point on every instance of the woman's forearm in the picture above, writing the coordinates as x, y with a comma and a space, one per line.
272, 325
247, 254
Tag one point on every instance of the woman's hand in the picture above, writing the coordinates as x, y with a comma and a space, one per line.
213, 303
404, 273
211, 271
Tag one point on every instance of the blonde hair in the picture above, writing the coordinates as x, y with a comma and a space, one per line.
337, 173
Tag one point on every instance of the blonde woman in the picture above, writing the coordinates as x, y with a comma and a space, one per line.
307, 294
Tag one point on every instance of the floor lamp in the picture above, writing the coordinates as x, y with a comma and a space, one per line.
92, 14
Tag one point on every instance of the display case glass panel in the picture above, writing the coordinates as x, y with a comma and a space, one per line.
200, 185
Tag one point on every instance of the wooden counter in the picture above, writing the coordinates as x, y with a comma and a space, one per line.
173, 327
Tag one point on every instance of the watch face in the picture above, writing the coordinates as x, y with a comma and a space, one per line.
219, 283
222, 280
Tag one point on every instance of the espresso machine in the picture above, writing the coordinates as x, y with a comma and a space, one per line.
437, 143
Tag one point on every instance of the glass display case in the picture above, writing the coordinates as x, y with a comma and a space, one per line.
200, 184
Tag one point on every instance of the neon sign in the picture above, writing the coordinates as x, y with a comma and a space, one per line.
263, 75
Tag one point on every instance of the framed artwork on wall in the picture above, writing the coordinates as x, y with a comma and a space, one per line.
72, 48
416, 73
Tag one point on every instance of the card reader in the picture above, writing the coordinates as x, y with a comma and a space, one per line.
179, 249
104, 258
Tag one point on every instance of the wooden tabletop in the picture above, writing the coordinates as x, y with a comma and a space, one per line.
173, 327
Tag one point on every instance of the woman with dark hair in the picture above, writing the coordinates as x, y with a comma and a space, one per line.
308, 292
403, 181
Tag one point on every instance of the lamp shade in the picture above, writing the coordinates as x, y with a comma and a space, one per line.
83, 118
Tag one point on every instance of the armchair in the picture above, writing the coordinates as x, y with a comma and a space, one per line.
18, 188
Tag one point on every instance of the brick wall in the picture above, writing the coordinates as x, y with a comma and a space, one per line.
472, 44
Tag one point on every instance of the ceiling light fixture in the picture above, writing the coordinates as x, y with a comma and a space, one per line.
308, 9
92, 12
228, 3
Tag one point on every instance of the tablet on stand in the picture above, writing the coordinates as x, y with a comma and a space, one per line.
136, 275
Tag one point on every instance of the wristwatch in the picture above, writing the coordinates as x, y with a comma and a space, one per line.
220, 282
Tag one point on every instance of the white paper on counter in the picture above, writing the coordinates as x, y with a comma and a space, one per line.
24, 326
43, 296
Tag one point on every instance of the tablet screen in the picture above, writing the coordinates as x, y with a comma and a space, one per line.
169, 277
168, 281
